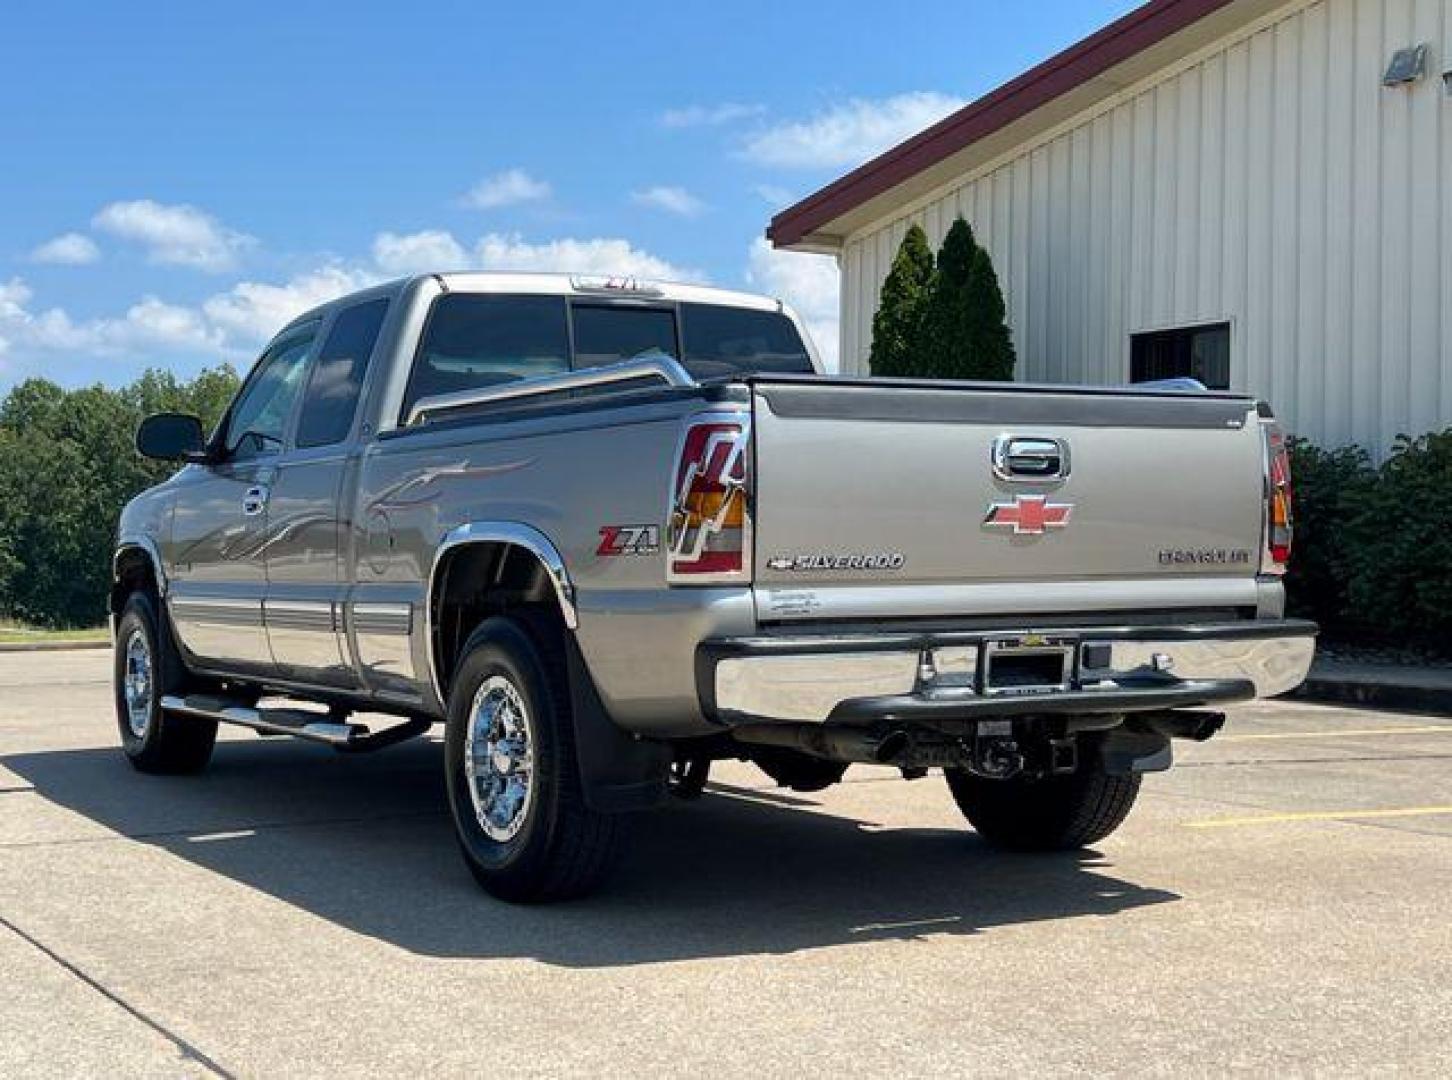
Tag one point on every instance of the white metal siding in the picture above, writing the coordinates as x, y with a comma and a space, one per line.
1271, 181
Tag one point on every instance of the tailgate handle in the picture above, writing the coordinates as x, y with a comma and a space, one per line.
1030, 457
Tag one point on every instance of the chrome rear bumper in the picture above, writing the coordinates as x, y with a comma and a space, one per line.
814, 679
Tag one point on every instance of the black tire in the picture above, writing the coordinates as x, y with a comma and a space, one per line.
154, 741
1052, 813
561, 849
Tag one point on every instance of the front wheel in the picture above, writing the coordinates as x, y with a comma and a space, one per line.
1051, 813
513, 779
145, 669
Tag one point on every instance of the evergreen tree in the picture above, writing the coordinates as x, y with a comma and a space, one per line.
992, 348
897, 327
964, 332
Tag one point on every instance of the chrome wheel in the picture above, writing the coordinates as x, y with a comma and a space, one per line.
499, 759
137, 684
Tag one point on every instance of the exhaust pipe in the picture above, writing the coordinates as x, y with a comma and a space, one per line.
1195, 725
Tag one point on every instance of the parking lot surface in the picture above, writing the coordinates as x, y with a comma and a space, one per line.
1280, 901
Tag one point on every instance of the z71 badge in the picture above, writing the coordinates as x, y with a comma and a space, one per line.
629, 540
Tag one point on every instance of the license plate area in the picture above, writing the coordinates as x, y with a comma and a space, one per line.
1026, 665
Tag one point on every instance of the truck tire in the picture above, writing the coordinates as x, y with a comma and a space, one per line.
1052, 813
519, 810
146, 666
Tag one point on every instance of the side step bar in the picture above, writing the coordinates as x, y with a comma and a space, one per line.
299, 723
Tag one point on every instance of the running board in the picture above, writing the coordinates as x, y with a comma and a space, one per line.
299, 723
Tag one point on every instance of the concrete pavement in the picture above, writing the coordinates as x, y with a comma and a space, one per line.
1278, 902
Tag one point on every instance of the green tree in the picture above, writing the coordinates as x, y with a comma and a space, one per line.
897, 328
68, 465
965, 335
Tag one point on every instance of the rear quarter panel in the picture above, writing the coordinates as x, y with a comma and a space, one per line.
568, 476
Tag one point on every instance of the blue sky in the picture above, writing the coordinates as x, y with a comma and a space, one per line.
178, 179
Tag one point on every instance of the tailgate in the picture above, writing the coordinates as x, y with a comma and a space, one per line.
880, 500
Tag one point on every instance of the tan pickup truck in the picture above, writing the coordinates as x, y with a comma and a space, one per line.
608, 532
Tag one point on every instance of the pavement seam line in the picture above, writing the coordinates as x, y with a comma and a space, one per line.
265, 826
1320, 815
185, 1048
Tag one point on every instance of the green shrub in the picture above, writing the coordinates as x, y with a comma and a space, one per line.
898, 325
1372, 560
1326, 482
1399, 560
942, 319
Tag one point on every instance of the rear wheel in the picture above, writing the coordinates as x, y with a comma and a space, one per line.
513, 779
146, 668
1051, 813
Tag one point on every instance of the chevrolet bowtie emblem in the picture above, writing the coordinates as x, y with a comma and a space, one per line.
1028, 515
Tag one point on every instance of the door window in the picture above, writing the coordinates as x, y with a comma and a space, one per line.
336, 381
258, 419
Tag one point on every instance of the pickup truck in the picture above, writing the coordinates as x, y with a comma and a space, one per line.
607, 532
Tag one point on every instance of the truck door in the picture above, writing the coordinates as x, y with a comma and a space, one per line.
219, 528
308, 514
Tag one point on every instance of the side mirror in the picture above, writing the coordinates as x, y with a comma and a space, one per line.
171, 437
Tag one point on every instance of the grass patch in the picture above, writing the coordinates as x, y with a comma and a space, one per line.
15, 634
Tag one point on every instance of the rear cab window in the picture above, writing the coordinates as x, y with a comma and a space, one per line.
475, 340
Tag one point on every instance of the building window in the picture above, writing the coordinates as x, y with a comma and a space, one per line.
1195, 352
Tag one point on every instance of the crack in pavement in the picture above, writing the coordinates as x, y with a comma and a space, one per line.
187, 1049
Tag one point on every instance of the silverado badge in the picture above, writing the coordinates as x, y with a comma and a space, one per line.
1028, 515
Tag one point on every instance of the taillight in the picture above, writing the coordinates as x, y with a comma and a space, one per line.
1278, 519
709, 535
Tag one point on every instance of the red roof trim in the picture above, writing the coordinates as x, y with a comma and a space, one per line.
1119, 41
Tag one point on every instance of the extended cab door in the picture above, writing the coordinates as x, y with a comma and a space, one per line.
308, 515
219, 527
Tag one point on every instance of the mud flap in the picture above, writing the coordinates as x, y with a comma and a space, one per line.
1124, 751
617, 772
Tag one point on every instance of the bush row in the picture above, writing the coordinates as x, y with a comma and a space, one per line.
1372, 560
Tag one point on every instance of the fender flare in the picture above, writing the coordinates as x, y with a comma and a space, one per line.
617, 772
518, 535
147, 547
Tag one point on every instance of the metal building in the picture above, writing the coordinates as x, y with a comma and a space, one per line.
1255, 192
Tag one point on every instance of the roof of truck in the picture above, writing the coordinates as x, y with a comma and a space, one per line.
602, 286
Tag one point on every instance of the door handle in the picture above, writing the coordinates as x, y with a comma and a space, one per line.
255, 501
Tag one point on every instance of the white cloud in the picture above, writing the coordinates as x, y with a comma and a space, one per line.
252, 311
150, 324
232, 323
418, 253
673, 200
68, 249
14, 296
178, 235
809, 283
709, 115
849, 133
508, 188
599, 255
774, 196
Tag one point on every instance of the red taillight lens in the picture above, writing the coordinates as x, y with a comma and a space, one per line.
708, 533
1279, 522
